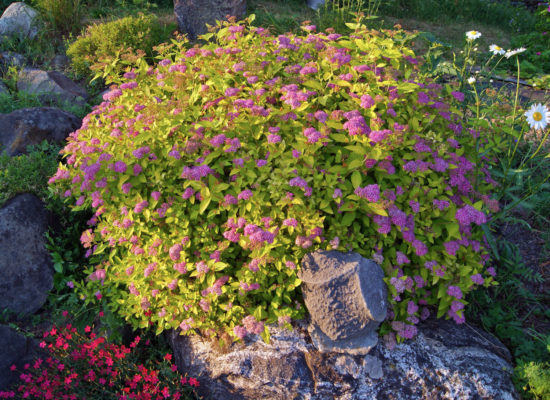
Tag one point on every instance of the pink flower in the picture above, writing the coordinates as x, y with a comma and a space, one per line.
455, 292
141, 206
180, 267
175, 251
202, 267
367, 101
290, 222
290, 265
477, 278
402, 258
451, 247
458, 95
369, 192
188, 193
308, 71
412, 308
245, 194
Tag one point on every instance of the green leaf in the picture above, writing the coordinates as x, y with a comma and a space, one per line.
377, 209
357, 150
355, 163
348, 219
204, 204
334, 125
314, 84
453, 230
356, 179
259, 313
265, 335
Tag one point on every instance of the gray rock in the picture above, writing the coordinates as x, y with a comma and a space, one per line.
14, 349
32, 126
19, 19
193, 15
25, 265
3, 88
8, 58
51, 86
60, 62
345, 295
445, 361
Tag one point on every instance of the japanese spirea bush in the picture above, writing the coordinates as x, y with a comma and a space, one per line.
213, 174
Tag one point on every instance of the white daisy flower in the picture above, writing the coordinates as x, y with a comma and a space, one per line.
473, 35
537, 116
496, 50
471, 80
511, 53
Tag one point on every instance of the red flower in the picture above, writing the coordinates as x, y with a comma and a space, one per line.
168, 357
193, 382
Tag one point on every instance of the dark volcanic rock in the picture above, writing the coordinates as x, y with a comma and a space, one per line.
25, 266
193, 15
445, 361
15, 349
33, 125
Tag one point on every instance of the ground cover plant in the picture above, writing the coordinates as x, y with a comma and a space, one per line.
79, 364
236, 161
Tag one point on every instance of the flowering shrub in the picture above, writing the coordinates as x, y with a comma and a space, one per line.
213, 173
85, 366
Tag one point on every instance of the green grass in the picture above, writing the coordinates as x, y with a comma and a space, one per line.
500, 13
10, 102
